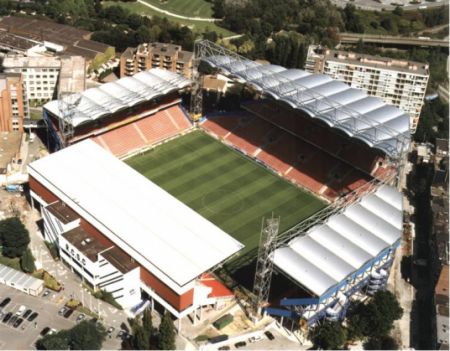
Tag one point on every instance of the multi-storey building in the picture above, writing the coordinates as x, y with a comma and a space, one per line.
44, 76
156, 55
40, 74
398, 82
13, 102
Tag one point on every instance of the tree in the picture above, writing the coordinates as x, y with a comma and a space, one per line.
147, 324
14, 237
166, 338
398, 11
58, 341
87, 335
376, 318
381, 343
141, 338
27, 262
328, 336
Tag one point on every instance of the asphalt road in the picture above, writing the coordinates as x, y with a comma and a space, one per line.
387, 4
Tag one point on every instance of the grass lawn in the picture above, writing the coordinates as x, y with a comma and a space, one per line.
196, 26
191, 8
222, 185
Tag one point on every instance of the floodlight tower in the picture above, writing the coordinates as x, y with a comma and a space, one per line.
264, 263
196, 107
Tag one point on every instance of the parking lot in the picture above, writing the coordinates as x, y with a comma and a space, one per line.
24, 336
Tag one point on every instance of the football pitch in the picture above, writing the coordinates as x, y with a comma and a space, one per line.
225, 187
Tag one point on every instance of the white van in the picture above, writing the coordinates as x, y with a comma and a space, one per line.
21, 310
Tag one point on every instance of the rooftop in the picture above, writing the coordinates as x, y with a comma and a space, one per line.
14, 61
64, 213
19, 279
374, 61
331, 253
119, 259
111, 97
16, 42
167, 237
84, 243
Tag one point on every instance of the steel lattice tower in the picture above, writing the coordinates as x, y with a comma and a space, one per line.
264, 263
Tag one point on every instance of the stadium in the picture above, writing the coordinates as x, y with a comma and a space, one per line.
289, 199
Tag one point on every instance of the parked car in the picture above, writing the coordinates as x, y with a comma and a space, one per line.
110, 330
27, 313
52, 331
68, 313
254, 338
224, 348
7, 317
45, 331
5, 302
18, 322
240, 344
21, 310
81, 317
218, 338
33, 316
62, 310
46, 293
269, 335
13, 319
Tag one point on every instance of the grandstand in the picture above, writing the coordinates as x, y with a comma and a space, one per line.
122, 116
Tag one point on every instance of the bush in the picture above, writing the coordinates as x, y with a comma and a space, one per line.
107, 297
223, 321
73, 304
50, 282
10, 262
27, 262
52, 248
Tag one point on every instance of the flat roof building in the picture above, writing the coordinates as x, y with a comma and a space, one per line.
401, 83
156, 55
442, 311
20, 281
158, 244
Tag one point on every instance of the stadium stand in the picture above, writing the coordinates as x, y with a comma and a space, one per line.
144, 132
292, 157
321, 136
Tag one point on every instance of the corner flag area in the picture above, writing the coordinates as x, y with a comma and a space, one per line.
225, 187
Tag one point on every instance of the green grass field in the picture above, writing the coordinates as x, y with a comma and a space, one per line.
191, 8
222, 185
197, 26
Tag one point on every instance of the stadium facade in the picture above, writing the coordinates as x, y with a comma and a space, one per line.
124, 234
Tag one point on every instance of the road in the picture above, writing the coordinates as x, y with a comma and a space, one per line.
168, 13
383, 5
388, 39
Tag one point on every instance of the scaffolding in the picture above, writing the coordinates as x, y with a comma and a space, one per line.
67, 104
264, 263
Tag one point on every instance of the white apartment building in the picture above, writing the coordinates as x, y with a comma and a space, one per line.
398, 82
40, 74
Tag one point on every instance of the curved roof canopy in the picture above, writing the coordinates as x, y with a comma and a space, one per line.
109, 98
368, 119
332, 252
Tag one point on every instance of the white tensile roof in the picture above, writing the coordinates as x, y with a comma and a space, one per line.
108, 98
148, 223
350, 110
329, 253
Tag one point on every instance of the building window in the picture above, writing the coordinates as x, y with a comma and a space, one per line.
72, 252
83, 261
